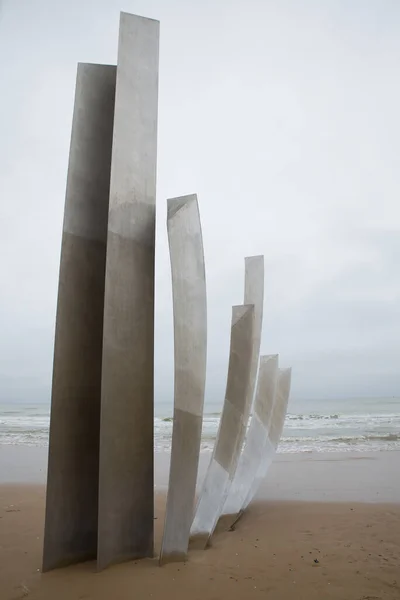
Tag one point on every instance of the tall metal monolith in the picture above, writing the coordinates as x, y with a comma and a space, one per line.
125, 524
73, 469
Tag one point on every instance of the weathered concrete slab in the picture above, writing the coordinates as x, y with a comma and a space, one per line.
277, 422
231, 430
254, 450
190, 353
70, 533
125, 526
253, 294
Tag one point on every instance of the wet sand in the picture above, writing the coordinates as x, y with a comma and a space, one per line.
341, 540
332, 477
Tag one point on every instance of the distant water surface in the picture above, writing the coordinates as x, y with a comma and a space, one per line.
351, 424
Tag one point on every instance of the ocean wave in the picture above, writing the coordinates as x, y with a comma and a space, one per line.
290, 417
388, 437
303, 432
345, 417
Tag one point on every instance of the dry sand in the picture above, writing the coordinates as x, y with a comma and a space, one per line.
282, 550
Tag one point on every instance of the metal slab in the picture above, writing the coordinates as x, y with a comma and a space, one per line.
190, 353
275, 430
253, 294
125, 524
231, 430
70, 533
253, 452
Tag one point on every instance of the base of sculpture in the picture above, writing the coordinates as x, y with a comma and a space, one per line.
199, 541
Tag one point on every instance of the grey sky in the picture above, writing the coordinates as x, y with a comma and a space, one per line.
284, 117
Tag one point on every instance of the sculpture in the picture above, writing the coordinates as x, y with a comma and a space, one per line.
125, 527
274, 431
253, 454
253, 294
190, 344
100, 488
72, 480
231, 431
104, 343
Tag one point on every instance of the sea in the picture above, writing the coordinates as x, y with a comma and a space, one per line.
338, 425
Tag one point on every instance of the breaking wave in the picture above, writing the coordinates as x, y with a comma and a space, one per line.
303, 432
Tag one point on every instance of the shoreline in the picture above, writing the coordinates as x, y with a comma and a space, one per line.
314, 477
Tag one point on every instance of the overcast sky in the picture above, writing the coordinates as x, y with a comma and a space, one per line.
283, 116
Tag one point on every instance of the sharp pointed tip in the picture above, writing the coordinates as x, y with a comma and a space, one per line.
174, 205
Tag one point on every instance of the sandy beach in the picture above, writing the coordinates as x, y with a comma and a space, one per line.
323, 526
